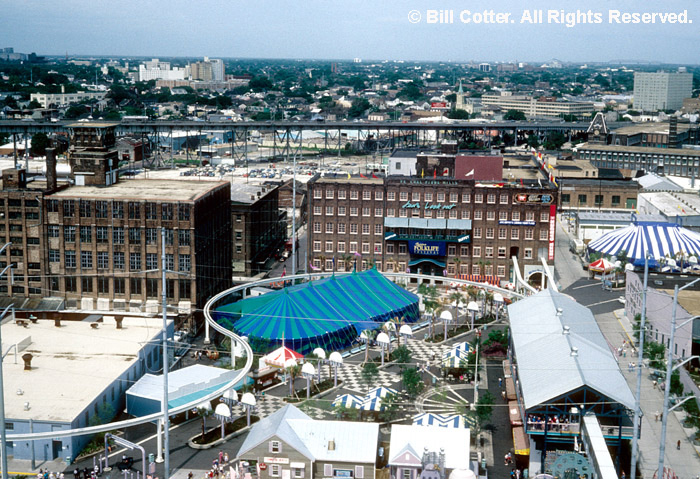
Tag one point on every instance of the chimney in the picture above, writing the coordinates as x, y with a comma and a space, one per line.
51, 181
57, 322
27, 358
119, 320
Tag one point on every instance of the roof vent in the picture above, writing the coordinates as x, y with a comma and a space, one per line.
26, 406
574, 351
559, 311
331, 445
566, 330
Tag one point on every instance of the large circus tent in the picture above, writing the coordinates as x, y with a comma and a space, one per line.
661, 240
328, 313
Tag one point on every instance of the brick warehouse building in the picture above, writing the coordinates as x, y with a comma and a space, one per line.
431, 226
91, 243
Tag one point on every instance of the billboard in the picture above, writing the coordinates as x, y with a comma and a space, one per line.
426, 248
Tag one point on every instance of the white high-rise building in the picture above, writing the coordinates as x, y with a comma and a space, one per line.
661, 90
157, 70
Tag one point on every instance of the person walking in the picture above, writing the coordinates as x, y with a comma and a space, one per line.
678, 445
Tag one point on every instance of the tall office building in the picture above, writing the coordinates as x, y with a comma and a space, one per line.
661, 90
208, 70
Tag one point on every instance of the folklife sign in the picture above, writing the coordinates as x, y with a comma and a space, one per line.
426, 248
535, 198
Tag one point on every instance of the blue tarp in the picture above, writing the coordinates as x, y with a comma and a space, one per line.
328, 313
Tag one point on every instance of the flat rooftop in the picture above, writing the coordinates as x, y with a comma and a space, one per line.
670, 204
640, 149
146, 189
649, 127
71, 365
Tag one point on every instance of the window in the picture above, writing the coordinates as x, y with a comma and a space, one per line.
341, 246
490, 215
134, 210
184, 263
317, 210
453, 197
491, 198
119, 286
85, 234
476, 269
516, 216
501, 270
598, 200
478, 215
52, 206
183, 237
365, 211
403, 248
135, 261
544, 216
101, 208
275, 470
378, 248
86, 259
353, 211
134, 235
365, 248
489, 233
391, 196
152, 261
504, 199
117, 210
341, 228
341, 210
582, 199
403, 196
68, 208
441, 197
502, 233
466, 198
71, 285
86, 284
151, 235
353, 247
530, 216
379, 195
488, 252
135, 285
390, 212
476, 252
118, 260
365, 229
529, 233
102, 260
152, 287
514, 234
501, 251
615, 201
53, 231
85, 210
329, 211
543, 235
54, 256
378, 229
566, 198
170, 261
353, 228
378, 212
151, 211
166, 210
329, 246
366, 195
329, 194
341, 194
451, 250
118, 235
317, 246
317, 226
184, 285
318, 194
477, 232
528, 253
275, 447
415, 196
466, 214
69, 258
354, 194
183, 212
478, 198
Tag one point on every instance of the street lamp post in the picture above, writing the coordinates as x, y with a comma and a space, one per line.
476, 369
309, 372
336, 360
640, 358
473, 307
669, 371
498, 299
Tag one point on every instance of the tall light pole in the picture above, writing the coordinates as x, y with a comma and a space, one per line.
166, 416
640, 358
669, 371
3, 438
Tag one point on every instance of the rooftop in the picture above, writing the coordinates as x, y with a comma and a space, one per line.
454, 441
150, 189
649, 128
674, 204
640, 149
72, 364
92, 124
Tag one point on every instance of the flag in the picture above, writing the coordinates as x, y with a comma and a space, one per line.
333, 263
362, 176
357, 254
349, 175
470, 173
312, 266
374, 176
422, 173
445, 172
521, 182
284, 271
435, 173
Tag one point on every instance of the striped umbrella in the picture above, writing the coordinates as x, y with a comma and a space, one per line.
660, 239
348, 401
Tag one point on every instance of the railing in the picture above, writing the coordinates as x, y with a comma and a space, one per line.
573, 429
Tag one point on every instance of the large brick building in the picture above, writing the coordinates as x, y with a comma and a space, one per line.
92, 242
431, 225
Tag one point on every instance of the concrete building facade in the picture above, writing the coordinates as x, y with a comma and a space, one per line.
661, 90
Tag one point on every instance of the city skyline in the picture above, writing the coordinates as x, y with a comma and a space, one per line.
324, 30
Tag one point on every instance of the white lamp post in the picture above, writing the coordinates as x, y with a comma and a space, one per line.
248, 401
406, 332
321, 355
223, 413
473, 308
336, 360
446, 318
383, 340
308, 371
498, 299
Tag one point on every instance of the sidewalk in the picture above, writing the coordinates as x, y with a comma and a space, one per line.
684, 462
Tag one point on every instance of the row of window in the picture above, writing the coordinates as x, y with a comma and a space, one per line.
136, 286
153, 260
477, 232
402, 249
85, 233
428, 196
582, 199
391, 266
418, 213
135, 209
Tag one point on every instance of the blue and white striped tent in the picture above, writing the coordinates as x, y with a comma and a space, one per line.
455, 358
439, 420
381, 392
660, 239
372, 404
349, 401
465, 346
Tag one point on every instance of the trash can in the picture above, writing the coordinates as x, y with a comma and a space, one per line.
483, 463
68, 459
151, 458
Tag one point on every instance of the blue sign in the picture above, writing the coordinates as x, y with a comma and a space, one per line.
426, 248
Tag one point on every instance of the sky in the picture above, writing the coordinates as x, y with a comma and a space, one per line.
346, 29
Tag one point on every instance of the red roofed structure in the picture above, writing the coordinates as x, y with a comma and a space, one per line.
479, 168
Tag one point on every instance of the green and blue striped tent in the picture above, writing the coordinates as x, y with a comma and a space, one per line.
329, 313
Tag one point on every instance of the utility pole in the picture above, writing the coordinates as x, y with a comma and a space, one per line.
166, 416
640, 358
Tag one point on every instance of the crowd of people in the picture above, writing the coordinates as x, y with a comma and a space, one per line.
219, 468
554, 423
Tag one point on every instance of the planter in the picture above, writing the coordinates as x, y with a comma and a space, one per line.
216, 432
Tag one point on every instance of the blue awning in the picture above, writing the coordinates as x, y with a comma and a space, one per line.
414, 262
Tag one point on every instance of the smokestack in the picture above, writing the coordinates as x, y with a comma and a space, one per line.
119, 320
51, 180
57, 322
27, 358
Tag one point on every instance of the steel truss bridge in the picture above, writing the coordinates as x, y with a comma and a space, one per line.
284, 138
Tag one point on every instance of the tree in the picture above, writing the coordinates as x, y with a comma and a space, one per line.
656, 353
402, 356
293, 372
260, 83
390, 404
369, 334
554, 140
369, 374
484, 407
204, 410
532, 141
411, 92
40, 141
514, 115
358, 107
413, 382
75, 111
33, 105
456, 114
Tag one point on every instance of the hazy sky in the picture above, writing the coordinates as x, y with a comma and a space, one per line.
342, 29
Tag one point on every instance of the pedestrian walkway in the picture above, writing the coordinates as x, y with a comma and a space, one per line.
685, 462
